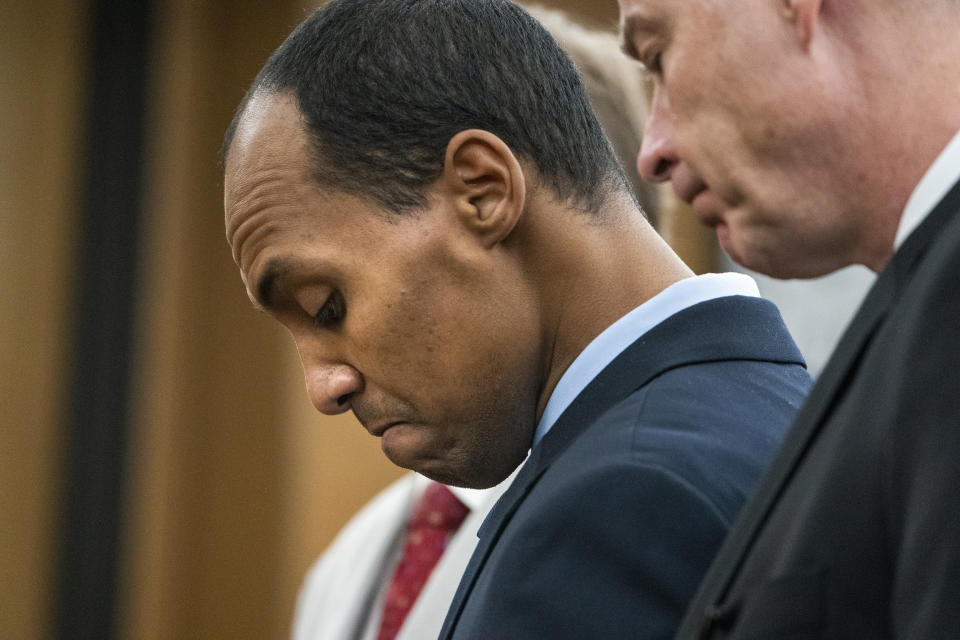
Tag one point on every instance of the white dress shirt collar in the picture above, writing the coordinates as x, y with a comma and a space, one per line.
625, 331
473, 499
938, 179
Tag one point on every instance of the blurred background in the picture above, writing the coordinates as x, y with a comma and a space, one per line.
162, 473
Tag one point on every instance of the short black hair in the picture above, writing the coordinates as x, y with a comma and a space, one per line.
383, 85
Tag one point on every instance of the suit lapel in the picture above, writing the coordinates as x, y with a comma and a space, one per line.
705, 332
823, 397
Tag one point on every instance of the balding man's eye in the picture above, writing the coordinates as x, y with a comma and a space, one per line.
653, 63
331, 312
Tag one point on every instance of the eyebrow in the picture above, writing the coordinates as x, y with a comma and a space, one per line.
266, 286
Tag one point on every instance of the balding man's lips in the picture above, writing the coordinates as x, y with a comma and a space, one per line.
688, 187
695, 193
707, 212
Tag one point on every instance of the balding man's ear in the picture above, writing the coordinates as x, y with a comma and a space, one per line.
487, 184
804, 15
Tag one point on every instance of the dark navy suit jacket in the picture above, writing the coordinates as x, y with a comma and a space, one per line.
618, 511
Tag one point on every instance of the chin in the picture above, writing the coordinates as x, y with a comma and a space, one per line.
410, 448
753, 256
462, 471
443, 472
778, 251
788, 267
736, 252
474, 463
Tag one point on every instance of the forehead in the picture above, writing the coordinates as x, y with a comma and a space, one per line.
266, 170
279, 222
269, 139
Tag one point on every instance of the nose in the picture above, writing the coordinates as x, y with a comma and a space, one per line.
331, 387
658, 156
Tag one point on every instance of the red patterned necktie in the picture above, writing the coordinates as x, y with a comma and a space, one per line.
435, 518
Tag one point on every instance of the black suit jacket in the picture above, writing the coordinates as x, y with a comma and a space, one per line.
615, 516
855, 532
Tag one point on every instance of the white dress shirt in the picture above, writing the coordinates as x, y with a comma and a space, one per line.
425, 618
938, 179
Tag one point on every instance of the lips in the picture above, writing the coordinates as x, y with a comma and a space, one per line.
382, 428
379, 416
698, 197
690, 188
703, 206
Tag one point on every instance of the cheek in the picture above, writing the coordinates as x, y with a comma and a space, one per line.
410, 338
458, 341
463, 360
436, 329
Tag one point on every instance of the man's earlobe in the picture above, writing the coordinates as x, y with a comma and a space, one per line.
804, 15
487, 184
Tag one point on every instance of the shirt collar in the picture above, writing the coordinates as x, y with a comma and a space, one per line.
473, 499
938, 179
476, 499
625, 331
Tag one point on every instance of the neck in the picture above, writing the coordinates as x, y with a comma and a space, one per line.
911, 99
593, 272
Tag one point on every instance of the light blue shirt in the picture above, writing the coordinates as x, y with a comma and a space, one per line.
625, 331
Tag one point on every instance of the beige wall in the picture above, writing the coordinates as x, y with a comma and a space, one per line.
205, 503
41, 55
235, 483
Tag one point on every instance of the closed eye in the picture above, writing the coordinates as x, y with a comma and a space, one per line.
331, 312
654, 65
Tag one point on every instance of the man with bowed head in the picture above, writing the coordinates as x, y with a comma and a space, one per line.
419, 191
814, 134
374, 579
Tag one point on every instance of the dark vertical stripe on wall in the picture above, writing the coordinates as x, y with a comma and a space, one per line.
105, 279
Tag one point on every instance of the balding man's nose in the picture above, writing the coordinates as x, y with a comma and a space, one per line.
657, 156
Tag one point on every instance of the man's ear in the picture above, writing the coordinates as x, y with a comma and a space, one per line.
804, 15
487, 184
